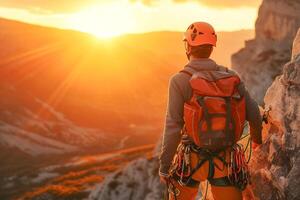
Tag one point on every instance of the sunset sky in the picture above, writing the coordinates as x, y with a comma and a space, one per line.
106, 18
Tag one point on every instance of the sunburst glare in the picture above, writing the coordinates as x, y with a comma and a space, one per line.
103, 21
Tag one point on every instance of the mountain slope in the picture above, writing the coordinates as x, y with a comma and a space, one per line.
32, 126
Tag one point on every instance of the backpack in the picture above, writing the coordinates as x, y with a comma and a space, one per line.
215, 115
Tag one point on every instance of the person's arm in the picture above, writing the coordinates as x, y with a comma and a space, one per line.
252, 116
173, 125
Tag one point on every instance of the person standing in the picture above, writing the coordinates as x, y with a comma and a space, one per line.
208, 106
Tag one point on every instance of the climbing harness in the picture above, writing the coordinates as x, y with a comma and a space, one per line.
238, 173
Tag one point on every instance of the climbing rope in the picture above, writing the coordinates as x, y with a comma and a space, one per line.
238, 171
206, 190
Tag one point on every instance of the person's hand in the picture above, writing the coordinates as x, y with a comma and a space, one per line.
164, 179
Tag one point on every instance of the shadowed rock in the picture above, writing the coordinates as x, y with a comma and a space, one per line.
263, 57
276, 164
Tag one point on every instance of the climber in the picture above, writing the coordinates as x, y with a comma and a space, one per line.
207, 109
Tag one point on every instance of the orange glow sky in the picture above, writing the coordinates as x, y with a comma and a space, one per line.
105, 18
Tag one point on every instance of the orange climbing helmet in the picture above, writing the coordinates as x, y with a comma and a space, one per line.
199, 33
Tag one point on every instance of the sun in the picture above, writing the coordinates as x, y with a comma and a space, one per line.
103, 21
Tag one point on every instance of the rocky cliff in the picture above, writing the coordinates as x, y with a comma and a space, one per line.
138, 180
262, 58
276, 164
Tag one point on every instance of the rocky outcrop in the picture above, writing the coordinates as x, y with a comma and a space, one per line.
138, 180
262, 58
276, 164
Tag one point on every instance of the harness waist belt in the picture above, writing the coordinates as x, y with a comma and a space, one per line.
222, 182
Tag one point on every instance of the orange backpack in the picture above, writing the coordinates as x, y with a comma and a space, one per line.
214, 117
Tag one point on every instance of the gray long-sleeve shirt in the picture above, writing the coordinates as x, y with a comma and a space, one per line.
180, 92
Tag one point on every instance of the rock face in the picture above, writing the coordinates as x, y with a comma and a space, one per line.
276, 164
262, 58
138, 180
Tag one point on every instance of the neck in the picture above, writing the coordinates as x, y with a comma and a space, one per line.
194, 58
